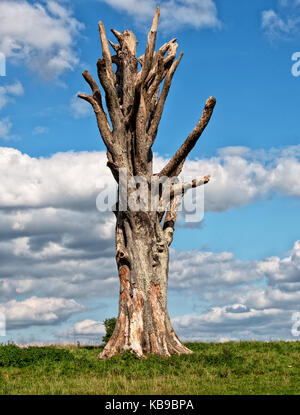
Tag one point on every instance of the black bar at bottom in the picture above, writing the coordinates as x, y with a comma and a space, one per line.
139, 404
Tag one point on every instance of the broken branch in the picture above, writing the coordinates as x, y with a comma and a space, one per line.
174, 166
148, 57
96, 101
162, 99
106, 53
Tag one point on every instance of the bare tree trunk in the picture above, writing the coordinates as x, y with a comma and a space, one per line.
143, 324
135, 105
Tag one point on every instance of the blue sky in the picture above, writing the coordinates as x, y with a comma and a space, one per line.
245, 254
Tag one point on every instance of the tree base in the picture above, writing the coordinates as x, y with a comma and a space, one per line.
109, 353
165, 346
143, 326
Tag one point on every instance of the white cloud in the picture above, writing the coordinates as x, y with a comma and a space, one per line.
283, 176
286, 270
240, 176
40, 35
189, 13
53, 239
38, 311
174, 13
7, 92
245, 307
86, 329
220, 322
283, 23
201, 272
275, 26
272, 297
142, 9
66, 180
53, 252
73, 180
55, 244
196, 271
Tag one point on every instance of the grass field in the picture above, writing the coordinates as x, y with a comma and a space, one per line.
213, 368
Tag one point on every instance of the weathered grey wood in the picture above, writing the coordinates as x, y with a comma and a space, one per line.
135, 105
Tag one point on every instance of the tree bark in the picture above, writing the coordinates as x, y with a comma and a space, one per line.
143, 324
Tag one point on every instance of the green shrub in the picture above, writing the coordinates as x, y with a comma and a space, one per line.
109, 324
12, 355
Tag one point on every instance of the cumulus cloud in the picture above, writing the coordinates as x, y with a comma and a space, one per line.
38, 311
286, 270
66, 180
41, 35
201, 272
53, 238
174, 13
86, 329
260, 304
56, 251
73, 180
197, 271
213, 277
221, 322
55, 244
240, 176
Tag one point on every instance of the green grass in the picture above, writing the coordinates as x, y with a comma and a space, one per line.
214, 368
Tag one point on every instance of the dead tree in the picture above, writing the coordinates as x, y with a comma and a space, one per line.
135, 99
